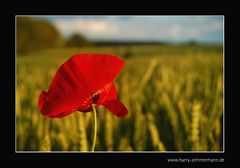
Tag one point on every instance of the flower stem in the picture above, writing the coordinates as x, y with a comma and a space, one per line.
95, 127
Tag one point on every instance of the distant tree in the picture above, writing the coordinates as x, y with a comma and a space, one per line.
78, 40
192, 42
35, 34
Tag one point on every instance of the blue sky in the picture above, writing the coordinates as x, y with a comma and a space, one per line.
154, 28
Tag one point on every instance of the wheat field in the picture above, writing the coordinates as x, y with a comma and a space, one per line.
174, 95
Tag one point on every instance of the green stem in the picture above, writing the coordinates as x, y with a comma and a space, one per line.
95, 127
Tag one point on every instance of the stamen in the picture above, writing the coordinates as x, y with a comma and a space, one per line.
95, 97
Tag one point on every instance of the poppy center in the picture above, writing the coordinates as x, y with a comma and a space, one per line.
95, 97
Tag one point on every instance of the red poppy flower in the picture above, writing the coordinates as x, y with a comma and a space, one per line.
82, 80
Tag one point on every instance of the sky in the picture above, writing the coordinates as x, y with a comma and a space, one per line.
174, 28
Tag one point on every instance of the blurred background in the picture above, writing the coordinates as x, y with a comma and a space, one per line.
172, 83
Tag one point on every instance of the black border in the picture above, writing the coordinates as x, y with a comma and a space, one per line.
119, 159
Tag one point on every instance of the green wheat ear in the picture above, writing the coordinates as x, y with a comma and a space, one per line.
46, 145
139, 134
83, 145
124, 143
195, 131
62, 140
109, 131
154, 133
148, 74
184, 116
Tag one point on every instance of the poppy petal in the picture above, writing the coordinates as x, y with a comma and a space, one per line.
53, 107
112, 95
96, 70
77, 81
108, 93
116, 107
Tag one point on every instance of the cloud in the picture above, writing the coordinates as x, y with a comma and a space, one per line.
194, 33
98, 27
175, 31
218, 24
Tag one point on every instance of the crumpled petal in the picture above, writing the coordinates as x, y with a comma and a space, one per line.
116, 107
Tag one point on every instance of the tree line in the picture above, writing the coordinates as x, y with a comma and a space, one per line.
33, 34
